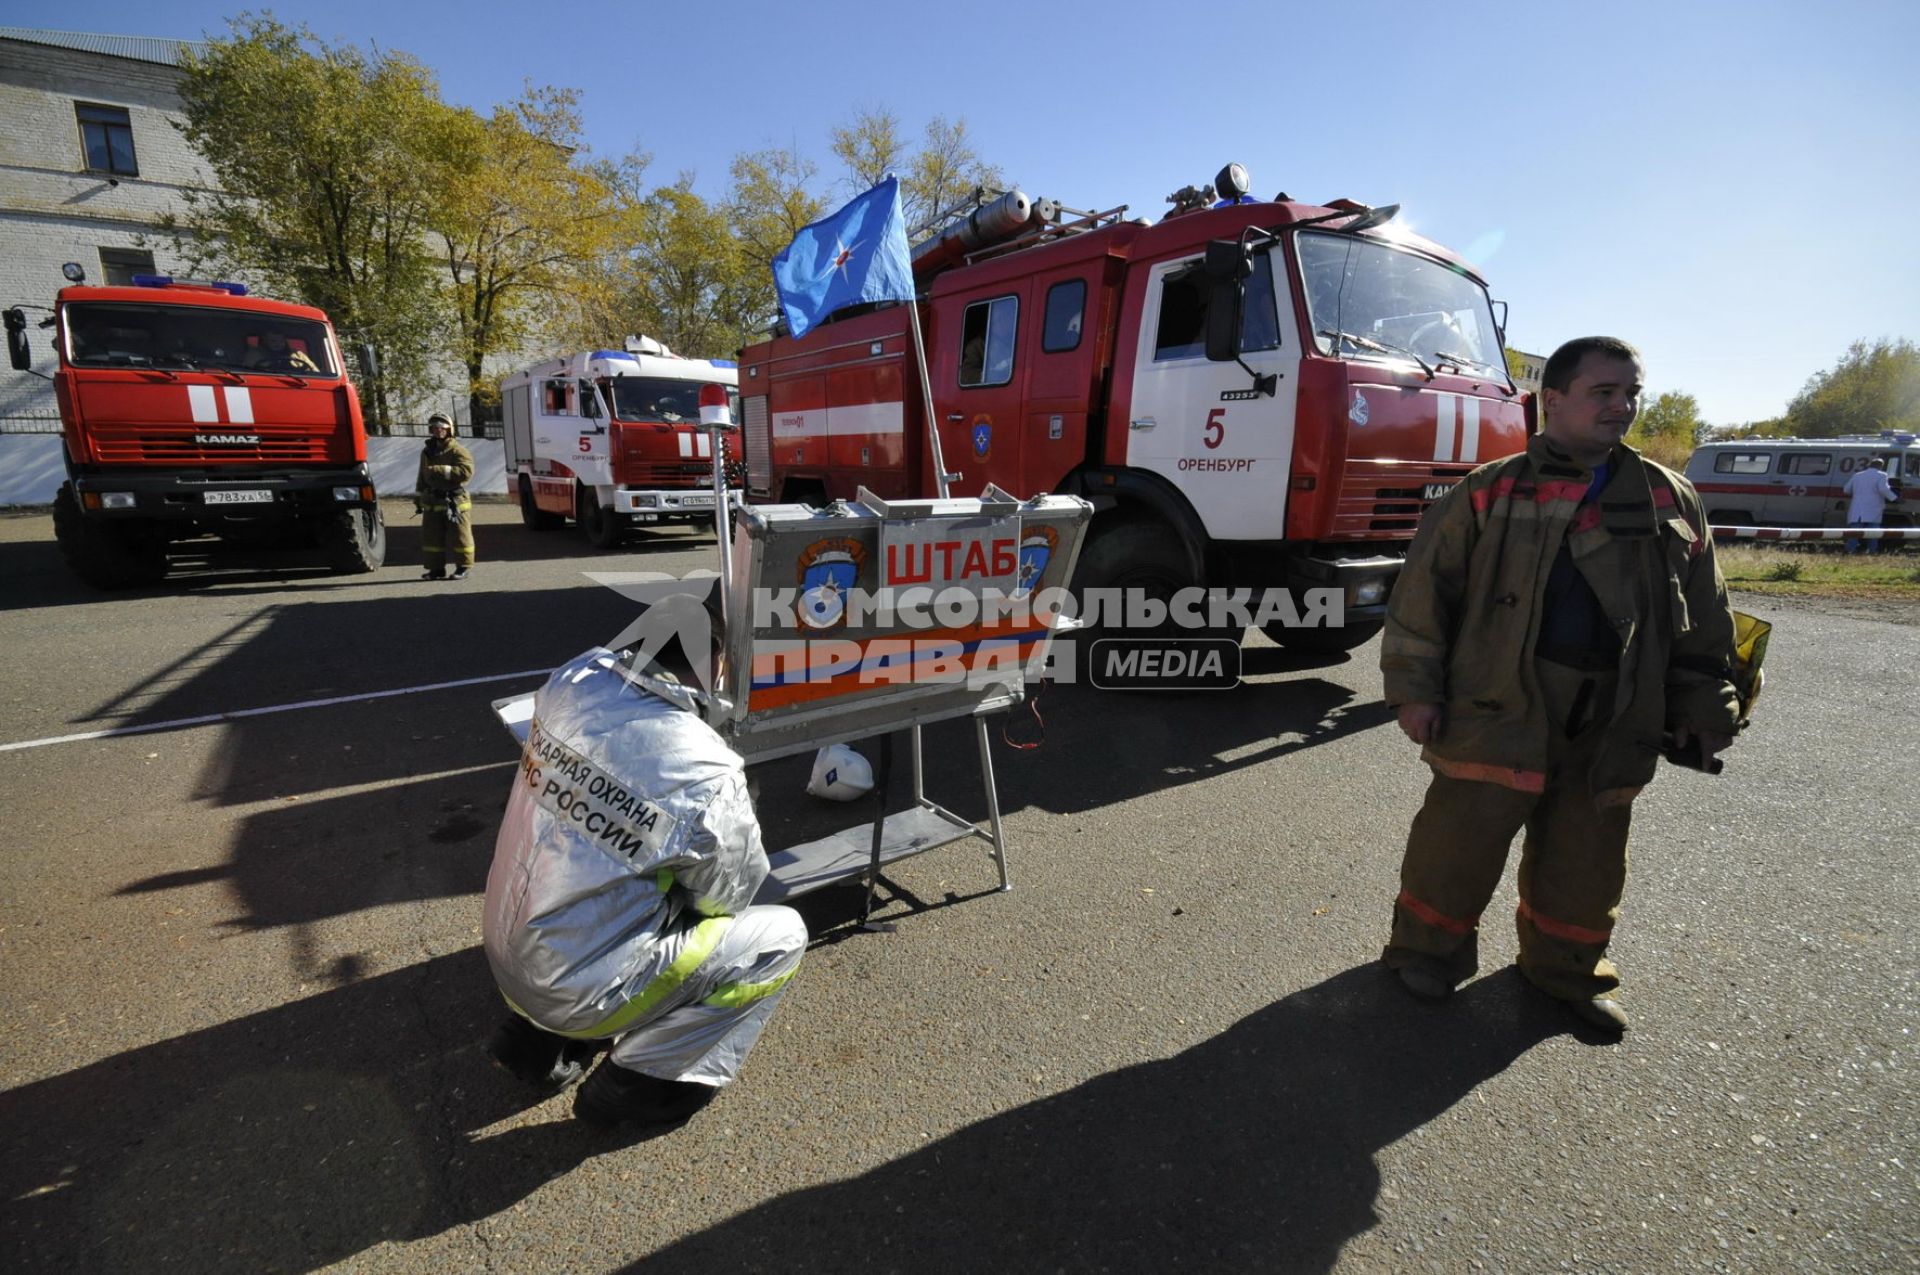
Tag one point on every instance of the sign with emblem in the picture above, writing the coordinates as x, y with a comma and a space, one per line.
828, 570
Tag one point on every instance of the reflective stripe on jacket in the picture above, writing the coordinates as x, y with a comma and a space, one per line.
1465, 614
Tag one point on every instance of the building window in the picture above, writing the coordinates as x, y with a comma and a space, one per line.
106, 134
119, 265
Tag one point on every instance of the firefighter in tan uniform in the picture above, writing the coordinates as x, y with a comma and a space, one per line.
1559, 623
440, 494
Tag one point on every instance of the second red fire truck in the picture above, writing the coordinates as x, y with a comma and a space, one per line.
611, 439
1251, 394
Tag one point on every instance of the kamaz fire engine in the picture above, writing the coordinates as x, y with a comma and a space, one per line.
1251, 394
191, 408
1797, 482
611, 439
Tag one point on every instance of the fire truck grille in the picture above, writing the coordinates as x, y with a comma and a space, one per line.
1384, 500
676, 473
132, 446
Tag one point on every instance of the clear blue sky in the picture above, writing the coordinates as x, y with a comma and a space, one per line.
1732, 186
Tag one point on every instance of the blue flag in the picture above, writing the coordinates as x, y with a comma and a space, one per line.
857, 254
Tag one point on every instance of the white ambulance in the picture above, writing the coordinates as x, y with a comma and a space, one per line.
1798, 482
612, 439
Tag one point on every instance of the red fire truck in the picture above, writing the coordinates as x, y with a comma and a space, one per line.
1251, 394
611, 439
192, 408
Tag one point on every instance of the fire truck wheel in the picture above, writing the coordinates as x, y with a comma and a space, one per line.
1324, 640
355, 541
105, 555
532, 515
603, 527
1143, 555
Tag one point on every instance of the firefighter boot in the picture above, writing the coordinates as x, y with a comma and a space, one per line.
1603, 1012
536, 1057
615, 1095
436, 572
461, 572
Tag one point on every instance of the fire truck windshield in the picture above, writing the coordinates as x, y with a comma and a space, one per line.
1397, 300
656, 398
116, 334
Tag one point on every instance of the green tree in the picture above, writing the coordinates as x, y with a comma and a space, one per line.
321, 189
693, 285
941, 173
870, 147
944, 171
1872, 388
521, 221
769, 206
1668, 428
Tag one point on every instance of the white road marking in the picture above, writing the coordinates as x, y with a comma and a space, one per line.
237, 714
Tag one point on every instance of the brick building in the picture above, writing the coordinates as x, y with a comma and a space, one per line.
89, 161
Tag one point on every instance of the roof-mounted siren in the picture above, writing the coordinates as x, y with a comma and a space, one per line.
1232, 184
1003, 218
646, 345
716, 412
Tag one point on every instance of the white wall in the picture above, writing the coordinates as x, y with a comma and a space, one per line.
31, 469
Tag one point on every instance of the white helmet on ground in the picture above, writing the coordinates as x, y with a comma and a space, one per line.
840, 774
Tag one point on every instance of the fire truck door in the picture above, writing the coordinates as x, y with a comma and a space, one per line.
1200, 423
592, 460
980, 386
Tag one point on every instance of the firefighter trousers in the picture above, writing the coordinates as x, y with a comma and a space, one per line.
699, 1024
1573, 860
447, 541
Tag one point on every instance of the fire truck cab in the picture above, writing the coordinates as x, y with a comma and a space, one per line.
1797, 482
1262, 394
190, 408
611, 439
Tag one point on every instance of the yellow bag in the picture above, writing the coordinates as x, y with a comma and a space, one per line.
1749, 652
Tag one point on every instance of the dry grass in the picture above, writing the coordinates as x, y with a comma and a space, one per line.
1817, 571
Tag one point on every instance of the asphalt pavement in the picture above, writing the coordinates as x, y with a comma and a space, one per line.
242, 996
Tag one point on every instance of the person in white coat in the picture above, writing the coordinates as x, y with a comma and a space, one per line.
619, 904
1868, 495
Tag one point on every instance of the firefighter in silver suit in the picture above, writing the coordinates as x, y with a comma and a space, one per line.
618, 907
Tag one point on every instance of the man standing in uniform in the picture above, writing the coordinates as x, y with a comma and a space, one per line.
1560, 621
1868, 495
440, 494
618, 903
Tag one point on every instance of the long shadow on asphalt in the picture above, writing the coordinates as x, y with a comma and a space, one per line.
301, 1136
1250, 1152
303, 859
37, 576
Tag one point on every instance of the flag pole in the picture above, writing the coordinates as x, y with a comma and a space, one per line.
940, 474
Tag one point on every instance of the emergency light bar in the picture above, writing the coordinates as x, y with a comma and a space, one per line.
168, 281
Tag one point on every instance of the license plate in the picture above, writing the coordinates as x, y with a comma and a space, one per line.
696, 502
1434, 491
239, 498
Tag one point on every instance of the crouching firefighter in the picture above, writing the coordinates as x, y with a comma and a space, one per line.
617, 909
